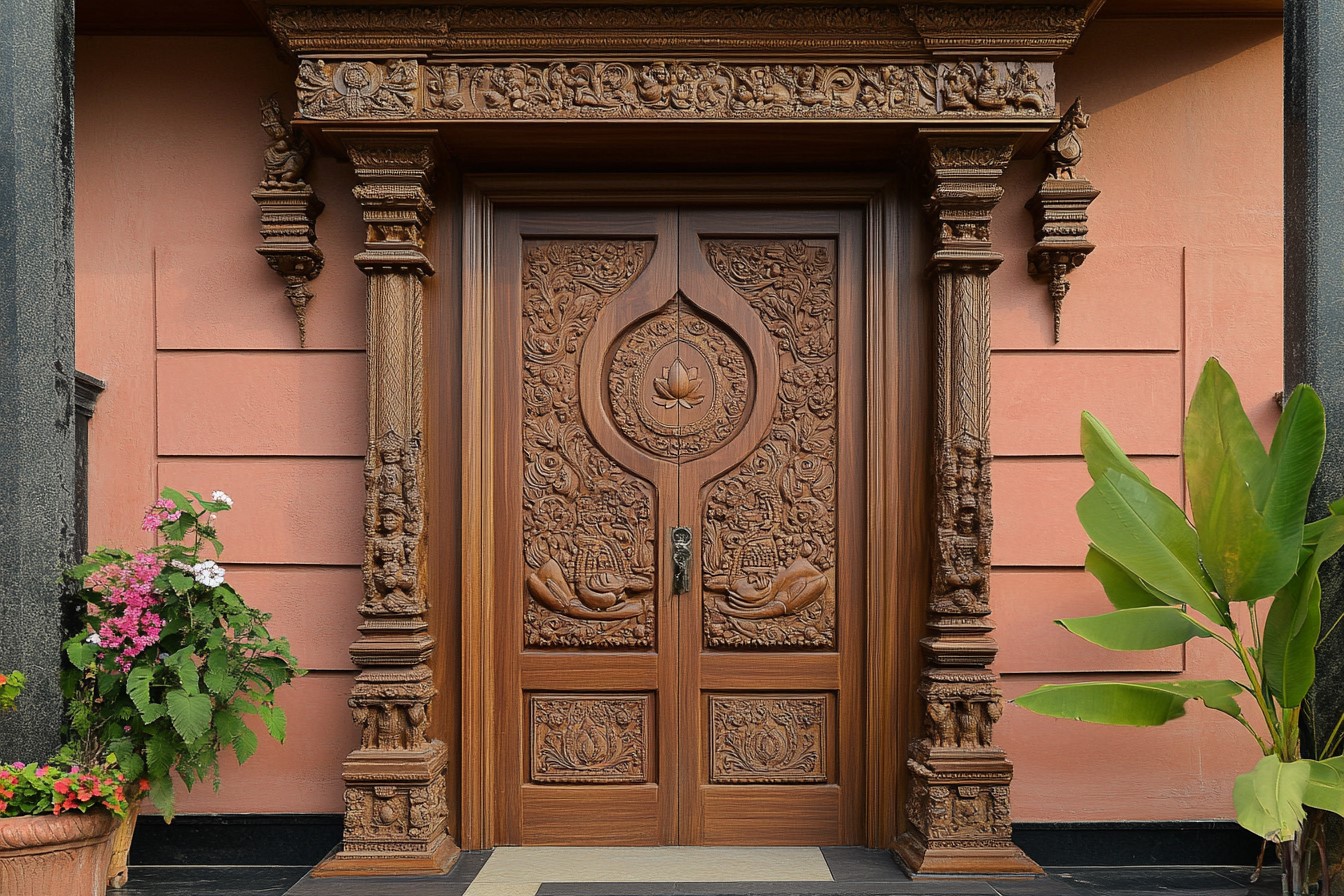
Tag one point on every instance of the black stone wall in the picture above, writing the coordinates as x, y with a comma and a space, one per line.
1314, 275
37, 357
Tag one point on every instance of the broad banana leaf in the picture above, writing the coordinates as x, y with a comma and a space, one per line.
1248, 504
1325, 787
1140, 628
1103, 453
1268, 799
1143, 530
1294, 622
1137, 704
1123, 590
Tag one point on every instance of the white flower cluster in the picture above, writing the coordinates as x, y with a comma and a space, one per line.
208, 573
221, 498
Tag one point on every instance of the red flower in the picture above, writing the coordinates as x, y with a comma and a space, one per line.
61, 786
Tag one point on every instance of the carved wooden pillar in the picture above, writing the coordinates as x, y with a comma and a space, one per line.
957, 811
395, 783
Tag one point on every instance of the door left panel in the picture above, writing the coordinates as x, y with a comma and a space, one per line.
579, 630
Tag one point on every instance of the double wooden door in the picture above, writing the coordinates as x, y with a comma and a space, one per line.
679, 621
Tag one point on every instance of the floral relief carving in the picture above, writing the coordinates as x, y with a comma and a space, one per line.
768, 740
679, 386
353, 89
770, 529
590, 740
587, 532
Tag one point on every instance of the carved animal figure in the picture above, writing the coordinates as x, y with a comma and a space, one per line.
1065, 149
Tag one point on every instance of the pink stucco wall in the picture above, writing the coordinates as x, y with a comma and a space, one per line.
1186, 147
207, 387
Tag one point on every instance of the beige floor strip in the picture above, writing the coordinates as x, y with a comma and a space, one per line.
519, 871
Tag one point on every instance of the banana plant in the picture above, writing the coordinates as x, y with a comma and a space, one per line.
1242, 573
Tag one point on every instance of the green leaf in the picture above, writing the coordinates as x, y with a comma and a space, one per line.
182, 501
1135, 704
1123, 590
1294, 622
190, 714
1268, 799
1103, 453
1140, 628
137, 686
161, 792
274, 717
1294, 460
1230, 475
160, 754
1144, 531
1221, 427
1325, 786
245, 744
181, 582
80, 652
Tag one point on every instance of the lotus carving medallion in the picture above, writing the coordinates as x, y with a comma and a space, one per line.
679, 385
590, 740
768, 740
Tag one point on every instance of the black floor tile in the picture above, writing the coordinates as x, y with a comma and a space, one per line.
857, 863
454, 883
211, 880
773, 888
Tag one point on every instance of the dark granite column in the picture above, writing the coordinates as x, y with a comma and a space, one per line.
37, 357
1314, 278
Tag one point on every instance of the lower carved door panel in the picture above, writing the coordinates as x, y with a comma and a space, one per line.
679, 622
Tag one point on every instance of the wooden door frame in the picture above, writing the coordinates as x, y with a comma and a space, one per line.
897, 546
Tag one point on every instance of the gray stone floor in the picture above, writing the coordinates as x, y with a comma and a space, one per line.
857, 872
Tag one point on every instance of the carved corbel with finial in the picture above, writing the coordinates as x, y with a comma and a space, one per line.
289, 210
1060, 209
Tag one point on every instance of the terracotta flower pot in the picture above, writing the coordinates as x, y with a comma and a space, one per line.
56, 855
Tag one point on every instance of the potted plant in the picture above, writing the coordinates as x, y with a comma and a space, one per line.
168, 659
56, 819
1243, 574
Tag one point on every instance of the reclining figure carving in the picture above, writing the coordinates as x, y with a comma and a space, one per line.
793, 589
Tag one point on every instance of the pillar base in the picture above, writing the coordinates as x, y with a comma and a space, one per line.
922, 860
396, 815
357, 863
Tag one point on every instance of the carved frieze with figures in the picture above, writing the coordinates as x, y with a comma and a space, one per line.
588, 540
670, 89
770, 530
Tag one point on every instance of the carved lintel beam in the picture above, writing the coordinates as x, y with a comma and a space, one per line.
289, 210
396, 786
958, 817
1060, 210
621, 88
896, 32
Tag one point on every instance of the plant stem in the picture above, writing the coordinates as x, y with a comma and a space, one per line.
1258, 690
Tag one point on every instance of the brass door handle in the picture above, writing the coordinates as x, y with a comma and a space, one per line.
681, 559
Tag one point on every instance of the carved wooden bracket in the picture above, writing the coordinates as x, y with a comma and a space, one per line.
1060, 209
958, 815
289, 210
396, 786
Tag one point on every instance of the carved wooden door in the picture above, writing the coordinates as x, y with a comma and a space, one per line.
680, 619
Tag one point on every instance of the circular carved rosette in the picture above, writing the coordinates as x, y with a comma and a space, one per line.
679, 385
